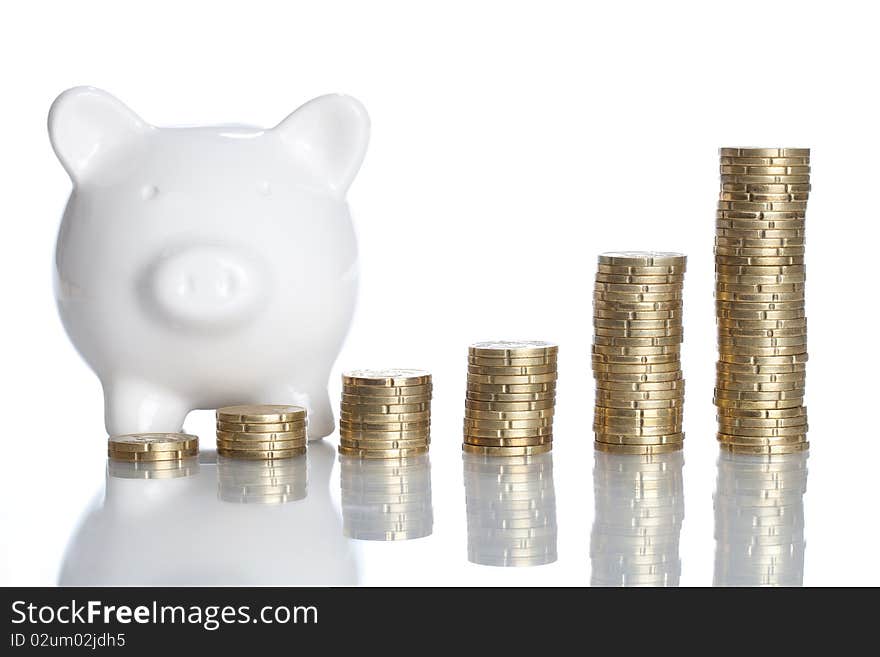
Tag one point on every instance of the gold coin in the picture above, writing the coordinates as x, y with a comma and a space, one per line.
764, 449
763, 206
273, 427
731, 423
480, 424
491, 361
727, 352
759, 261
548, 387
763, 197
662, 350
624, 395
756, 270
796, 252
763, 188
601, 368
528, 450
264, 455
476, 413
646, 427
760, 314
380, 400
237, 436
638, 377
733, 433
637, 279
662, 333
765, 170
383, 453
639, 386
165, 455
633, 288
612, 299
643, 258
261, 413
636, 270
762, 332
381, 418
387, 378
373, 409
758, 396
763, 152
520, 370
747, 178
153, 442
630, 324
390, 391
780, 413
512, 400
671, 316
636, 340
509, 442
353, 426
625, 439
511, 379
262, 445
788, 439
513, 348
729, 383
479, 432
746, 404
509, 406
667, 414
766, 161
640, 307
377, 434
797, 324
638, 449
361, 444
641, 404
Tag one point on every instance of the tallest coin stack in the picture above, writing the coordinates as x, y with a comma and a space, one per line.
759, 300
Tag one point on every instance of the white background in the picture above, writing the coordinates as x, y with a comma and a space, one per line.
511, 143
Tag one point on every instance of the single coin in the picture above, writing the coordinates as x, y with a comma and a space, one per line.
164, 455
630, 324
381, 418
671, 316
390, 391
639, 386
371, 409
509, 370
153, 442
638, 377
479, 432
772, 188
511, 379
761, 422
476, 413
387, 378
645, 427
635, 340
728, 432
643, 258
509, 442
385, 436
354, 425
357, 443
261, 413
638, 449
739, 331
236, 436
756, 270
763, 152
796, 252
491, 361
788, 439
797, 411
641, 404
548, 387
669, 332
758, 396
613, 298
386, 453
625, 439
636, 279
513, 348
602, 368
660, 350
632, 288
267, 427
764, 178
379, 400
759, 261
765, 449
758, 404
528, 450
639, 414
484, 423
265, 455
765, 170
267, 445
516, 401
624, 395
637, 270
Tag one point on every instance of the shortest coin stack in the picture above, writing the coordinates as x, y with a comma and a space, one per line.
152, 447
637, 303
261, 431
510, 398
385, 414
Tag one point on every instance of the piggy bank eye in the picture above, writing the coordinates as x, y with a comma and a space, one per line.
265, 188
149, 192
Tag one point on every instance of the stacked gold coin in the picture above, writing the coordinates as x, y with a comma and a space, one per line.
152, 447
385, 414
759, 300
637, 303
510, 399
261, 431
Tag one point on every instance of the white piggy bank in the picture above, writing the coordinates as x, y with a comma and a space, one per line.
201, 267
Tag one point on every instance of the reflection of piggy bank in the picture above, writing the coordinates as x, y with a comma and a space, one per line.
200, 267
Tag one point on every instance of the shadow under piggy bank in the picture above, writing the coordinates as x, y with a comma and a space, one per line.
215, 522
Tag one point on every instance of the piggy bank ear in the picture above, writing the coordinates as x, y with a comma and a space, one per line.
87, 124
328, 136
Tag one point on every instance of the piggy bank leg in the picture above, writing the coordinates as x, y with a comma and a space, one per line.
313, 397
138, 407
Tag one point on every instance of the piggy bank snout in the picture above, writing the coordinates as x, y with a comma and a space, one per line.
206, 286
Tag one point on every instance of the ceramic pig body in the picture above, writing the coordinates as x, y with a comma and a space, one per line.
201, 267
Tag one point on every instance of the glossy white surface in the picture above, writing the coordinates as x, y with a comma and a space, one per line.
203, 267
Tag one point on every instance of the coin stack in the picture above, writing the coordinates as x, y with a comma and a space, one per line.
167, 449
511, 509
759, 300
759, 519
639, 512
386, 499
385, 414
261, 481
637, 303
510, 399
261, 431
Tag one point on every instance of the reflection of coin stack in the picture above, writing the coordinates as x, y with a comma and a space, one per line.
386, 499
637, 303
511, 509
385, 414
510, 399
261, 431
262, 481
759, 300
759, 519
639, 511
153, 452
153, 469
